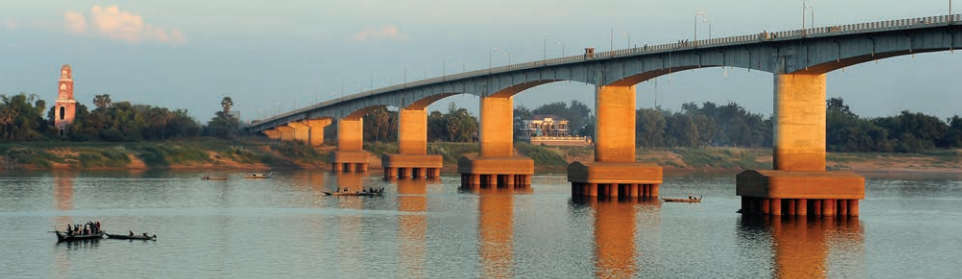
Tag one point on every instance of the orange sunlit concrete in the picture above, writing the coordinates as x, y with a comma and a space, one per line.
317, 130
614, 173
413, 160
496, 166
800, 185
350, 155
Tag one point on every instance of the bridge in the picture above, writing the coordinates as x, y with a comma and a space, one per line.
798, 60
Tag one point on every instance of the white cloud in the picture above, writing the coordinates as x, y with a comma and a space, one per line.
113, 23
386, 32
74, 23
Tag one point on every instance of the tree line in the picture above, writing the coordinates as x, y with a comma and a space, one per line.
23, 118
26, 117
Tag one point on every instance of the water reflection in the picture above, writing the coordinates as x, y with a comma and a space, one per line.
351, 228
802, 246
412, 228
496, 230
63, 201
614, 233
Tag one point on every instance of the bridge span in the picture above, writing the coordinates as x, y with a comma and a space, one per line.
798, 60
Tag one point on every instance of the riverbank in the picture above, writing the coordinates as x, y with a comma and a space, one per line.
257, 154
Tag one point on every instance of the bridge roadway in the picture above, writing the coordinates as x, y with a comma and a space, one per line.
798, 60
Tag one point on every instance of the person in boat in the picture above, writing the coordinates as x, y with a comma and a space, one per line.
131, 233
69, 231
145, 234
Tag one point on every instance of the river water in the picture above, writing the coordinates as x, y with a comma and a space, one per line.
284, 227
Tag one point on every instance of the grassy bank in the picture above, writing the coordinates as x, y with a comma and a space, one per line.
259, 153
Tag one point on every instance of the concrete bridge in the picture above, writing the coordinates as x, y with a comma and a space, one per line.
798, 60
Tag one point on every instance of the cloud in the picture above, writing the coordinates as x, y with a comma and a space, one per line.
74, 23
115, 24
386, 32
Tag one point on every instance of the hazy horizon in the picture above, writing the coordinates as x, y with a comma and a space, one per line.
270, 57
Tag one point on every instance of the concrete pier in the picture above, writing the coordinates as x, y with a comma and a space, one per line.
350, 155
497, 150
412, 149
614, 168
799, 177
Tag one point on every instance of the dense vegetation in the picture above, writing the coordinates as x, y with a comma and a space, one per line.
708, 125
22, 119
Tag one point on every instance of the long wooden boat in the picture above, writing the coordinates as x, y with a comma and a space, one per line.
63, 237
132, 237
259, 175
205, 177
351, 193
689, 200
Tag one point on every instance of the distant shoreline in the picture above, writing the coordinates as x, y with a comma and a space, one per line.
255, 154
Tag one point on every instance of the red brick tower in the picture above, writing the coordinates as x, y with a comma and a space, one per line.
66, 106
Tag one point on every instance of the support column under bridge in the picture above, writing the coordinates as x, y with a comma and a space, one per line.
412, 160
614, 173
799, 184
496, 166
350, 155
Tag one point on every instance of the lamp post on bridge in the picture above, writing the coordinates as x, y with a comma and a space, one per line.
544, 48
805, 6
372, 80
627, 39
562, 48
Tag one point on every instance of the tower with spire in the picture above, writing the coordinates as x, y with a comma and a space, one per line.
66, 106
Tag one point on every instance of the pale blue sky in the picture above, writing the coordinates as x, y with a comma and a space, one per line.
271, 56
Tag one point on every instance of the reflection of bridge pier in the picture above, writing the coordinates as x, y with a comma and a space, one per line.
614, 235
412, 160
497, 165
496, 230
412, 226
799, 185
614, 173
802, 245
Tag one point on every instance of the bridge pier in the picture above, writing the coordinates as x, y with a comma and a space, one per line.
287, 133
412, 159
273, 134
350, 155
614, 173
497, 150
799, 181
302, 132
316, 137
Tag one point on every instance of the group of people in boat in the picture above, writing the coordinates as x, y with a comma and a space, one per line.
366, 190
87, 229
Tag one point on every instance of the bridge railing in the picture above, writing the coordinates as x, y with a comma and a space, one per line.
888, 25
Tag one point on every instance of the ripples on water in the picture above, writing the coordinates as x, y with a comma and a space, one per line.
286, 228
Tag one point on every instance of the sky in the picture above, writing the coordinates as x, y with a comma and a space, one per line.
274, 56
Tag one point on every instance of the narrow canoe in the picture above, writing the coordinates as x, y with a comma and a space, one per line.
259, 175
131, 237
213, 178
350, 194
691, 200
63, 237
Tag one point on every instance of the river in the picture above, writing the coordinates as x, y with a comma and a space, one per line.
285, 227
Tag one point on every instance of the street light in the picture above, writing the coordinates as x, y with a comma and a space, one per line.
706, 20
627, 38
505, 52
562, 48
544, 48
372, 80
805, 6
